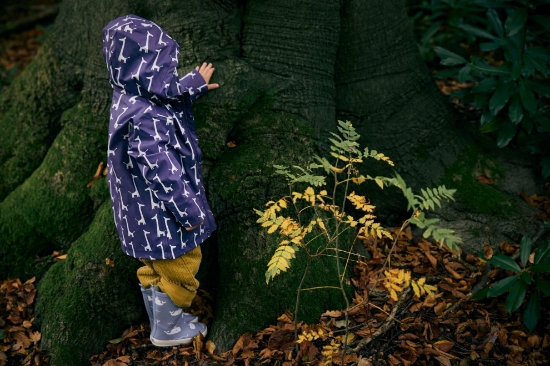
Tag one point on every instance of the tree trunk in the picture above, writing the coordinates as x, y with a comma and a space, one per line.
288, 70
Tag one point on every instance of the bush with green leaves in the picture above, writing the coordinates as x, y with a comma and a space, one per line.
526, 281
507, 59
438, 22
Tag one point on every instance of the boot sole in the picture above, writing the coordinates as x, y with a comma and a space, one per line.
174, 342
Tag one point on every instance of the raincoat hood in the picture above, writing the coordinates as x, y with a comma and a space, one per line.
141, 57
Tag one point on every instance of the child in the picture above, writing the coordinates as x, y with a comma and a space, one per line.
155, 176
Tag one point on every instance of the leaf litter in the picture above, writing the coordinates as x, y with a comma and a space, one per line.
442, 329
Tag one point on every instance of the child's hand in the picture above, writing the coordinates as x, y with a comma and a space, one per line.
206, 71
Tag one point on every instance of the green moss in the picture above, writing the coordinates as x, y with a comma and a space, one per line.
421, 152
52, 207
475, 196
82, 302
475, 232
29, 117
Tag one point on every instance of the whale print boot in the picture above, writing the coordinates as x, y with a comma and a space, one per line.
148, 300
171, 327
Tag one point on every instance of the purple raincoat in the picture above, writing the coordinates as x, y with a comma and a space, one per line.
153, 157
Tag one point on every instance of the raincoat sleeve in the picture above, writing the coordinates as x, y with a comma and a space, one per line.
162, 170
142, 59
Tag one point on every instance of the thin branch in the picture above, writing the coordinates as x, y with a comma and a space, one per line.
387, 324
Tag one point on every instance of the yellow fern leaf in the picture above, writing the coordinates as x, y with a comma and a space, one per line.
358, 180
321, 223
396, 288
415, 289
393, 295
336, 170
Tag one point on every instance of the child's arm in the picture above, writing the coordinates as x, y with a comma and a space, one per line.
196, 82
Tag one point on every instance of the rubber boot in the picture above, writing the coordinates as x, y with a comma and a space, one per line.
171, 327
148, 300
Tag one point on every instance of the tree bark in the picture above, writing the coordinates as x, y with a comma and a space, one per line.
288, 70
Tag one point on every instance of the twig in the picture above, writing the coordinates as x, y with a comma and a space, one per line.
387, 324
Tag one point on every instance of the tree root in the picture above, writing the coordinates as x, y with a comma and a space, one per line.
387, 324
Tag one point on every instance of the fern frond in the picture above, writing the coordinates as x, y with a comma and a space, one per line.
280, 261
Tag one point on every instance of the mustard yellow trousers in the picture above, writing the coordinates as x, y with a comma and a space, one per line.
175, 277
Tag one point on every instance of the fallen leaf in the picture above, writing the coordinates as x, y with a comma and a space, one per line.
198, 342
484, 179
97, 175
487, 252
35, 336
109, 262
429, 301
393, 361
443, 360
287, 318
332, 313
444, 345
210, 346
440, 308
281, 340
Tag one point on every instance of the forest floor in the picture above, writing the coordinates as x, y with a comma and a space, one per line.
411, 329
408, 328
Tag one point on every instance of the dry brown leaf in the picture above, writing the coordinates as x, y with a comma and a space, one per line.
281, 340
332, 313
109, 262
393, 361
247, 353
443, 360
198, 342
484, 179
125, 359
364, 362
453, 268
440, 308
287, 318
210, 346
487, 251
97, 174
444, 345
35, 336
243, 340
429, 301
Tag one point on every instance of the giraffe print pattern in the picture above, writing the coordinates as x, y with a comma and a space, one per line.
155, 172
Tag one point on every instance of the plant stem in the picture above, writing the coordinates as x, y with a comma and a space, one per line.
319, 288
340, 274
297, 307
388, 257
